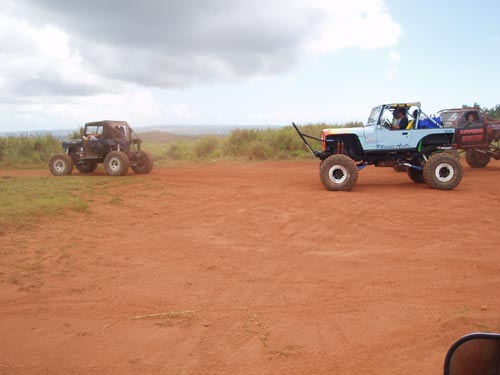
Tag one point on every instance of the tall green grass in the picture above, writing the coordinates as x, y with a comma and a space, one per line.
241, 144
30, 151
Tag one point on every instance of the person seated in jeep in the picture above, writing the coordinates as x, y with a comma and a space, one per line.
92, 137
400, 120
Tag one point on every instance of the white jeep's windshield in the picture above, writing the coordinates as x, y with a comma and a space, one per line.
374, 116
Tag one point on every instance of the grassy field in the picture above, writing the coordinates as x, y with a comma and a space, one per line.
283, 143
24, 199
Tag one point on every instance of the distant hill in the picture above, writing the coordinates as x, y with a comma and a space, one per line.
162, 137
193, 130
155, 131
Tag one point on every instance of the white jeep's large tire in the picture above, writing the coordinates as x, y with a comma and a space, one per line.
442, 171
338, 173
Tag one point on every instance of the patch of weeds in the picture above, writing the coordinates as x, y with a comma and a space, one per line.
64, 255
465, 310
483, 328
255, 326
24, 199
14, 279
287, 351
116, 200
176, 318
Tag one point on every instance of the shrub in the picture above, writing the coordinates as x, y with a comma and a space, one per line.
27, 151
181, 150
206, 146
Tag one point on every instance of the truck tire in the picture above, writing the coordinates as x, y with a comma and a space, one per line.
86, 166
116, 163
61, 165
442, 171
338, 173
477, 159
415, 175
144, 163
399, 168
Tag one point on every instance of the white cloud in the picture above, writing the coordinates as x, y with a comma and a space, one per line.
394, 57
177, 43
359, 23
136, 105
393, 72
66, 62
38, 61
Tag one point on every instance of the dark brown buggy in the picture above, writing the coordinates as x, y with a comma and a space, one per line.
113, 143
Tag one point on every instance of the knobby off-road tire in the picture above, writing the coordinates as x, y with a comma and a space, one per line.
399, 168
443, 171
338, 173
477, 159
87, 166
415, 175
116, 163
144, 163
61, 165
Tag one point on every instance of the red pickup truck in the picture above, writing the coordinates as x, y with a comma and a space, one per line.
476, 134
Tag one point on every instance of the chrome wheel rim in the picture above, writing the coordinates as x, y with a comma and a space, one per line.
59, 165
444, 172
338, 174
114, 164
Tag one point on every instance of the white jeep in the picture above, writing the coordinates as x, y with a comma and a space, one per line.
423, 147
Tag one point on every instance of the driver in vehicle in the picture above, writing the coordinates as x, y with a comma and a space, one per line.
400, 121
471, 120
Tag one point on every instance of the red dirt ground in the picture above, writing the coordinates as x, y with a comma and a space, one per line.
254, 269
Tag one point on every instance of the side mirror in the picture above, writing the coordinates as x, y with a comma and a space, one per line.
474, 354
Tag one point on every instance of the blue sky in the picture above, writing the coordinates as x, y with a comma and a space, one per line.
256, 66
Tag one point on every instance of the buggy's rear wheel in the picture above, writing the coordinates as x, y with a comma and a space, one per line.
144, 163
116, 163
443, 171
339, 173
86, 166
61, 165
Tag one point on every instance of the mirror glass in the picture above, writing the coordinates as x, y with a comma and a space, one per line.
476, 356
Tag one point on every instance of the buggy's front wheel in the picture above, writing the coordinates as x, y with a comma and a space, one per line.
338, 173
61, 165
116, 163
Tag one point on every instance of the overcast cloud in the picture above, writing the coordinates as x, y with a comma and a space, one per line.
61, 48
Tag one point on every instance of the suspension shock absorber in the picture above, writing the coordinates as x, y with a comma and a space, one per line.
340, 147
